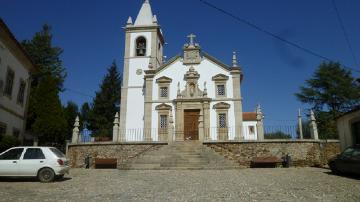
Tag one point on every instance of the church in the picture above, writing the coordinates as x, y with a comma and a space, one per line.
192, 96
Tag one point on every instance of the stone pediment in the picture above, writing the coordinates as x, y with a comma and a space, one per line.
220, 77
221, 105
164, 79
163, 106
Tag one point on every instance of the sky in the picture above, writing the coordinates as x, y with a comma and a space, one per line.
92, 36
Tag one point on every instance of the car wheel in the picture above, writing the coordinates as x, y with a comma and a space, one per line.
46, 175
333, 168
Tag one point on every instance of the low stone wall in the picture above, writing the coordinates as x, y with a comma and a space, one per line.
302, 152
123, 152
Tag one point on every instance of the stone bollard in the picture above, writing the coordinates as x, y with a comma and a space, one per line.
76, 131
313, 126
260, 123
116, 128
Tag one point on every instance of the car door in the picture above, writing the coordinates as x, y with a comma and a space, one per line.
343, 163
32, 161
9, 161
355, 165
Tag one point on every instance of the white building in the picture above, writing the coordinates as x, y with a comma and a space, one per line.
193, 96
15, 69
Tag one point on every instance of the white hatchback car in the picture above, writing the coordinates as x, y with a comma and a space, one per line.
45, 163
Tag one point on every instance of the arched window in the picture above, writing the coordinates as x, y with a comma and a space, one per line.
140, 46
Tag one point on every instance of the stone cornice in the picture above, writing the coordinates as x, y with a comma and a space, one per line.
164, 79
163, 106
22, 117
220, 77
221, 105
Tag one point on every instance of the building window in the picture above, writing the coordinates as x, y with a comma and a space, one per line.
221, 90
140, 46
251, 130
2, 130
164, 92
163, 121
9, 82
21, 93
222, 120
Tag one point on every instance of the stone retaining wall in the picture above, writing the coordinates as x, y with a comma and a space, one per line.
302, 152
123, 152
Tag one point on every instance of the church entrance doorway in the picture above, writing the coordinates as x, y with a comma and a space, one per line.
191, 124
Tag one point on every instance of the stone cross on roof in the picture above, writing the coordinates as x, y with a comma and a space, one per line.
191, 38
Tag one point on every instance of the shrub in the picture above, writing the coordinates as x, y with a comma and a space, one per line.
7, 142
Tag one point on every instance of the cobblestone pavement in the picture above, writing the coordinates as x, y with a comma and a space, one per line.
293, 184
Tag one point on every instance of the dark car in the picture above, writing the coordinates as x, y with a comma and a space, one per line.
346, 162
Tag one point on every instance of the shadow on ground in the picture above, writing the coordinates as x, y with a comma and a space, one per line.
29, 179
351, 176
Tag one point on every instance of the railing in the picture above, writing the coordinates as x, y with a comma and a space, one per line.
209, 134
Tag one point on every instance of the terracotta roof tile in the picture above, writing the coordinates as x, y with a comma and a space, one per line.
249, 116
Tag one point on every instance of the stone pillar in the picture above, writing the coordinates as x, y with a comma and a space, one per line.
171, 128
36, 141
76, 131
116, 128
236, 80
300, 125
260, 123
149, 76
313, 126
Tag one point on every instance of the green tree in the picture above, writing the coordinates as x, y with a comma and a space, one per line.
106, 104
71, 111
277, 135
45, 56
48, 79
50, 123
330, 92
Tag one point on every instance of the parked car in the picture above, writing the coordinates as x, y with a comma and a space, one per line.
346, 162
45, 163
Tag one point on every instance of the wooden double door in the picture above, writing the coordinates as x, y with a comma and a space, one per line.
191, 124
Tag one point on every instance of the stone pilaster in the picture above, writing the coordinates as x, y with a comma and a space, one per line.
206, 109
149, 76
236, 80
124, 91
179, 123
201, 126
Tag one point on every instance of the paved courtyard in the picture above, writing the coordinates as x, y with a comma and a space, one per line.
294, 184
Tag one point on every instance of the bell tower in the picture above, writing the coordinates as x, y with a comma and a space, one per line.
143, 51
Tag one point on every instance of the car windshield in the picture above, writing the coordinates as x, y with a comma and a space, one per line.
58, 153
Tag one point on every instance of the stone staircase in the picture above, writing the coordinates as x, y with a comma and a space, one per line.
187, 155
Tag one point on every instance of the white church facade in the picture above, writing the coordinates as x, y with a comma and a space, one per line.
192, 96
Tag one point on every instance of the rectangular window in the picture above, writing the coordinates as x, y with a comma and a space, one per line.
251, 130
164, 92
221, 90
222, 121
163, 121
21, 93
9, 82
33, 153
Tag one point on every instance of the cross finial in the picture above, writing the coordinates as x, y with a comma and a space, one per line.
191, 38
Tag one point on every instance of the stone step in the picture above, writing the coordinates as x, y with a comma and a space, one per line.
186, 155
